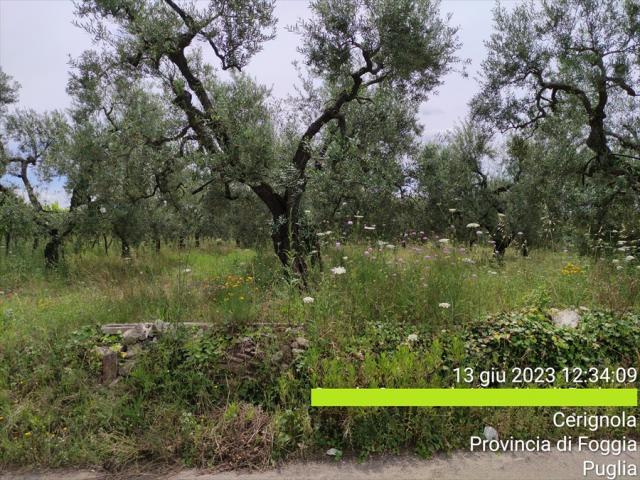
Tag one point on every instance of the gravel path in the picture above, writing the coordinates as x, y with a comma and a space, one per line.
459, 466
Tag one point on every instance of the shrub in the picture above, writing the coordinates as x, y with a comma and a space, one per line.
530, 338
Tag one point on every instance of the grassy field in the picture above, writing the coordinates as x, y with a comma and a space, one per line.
397, 317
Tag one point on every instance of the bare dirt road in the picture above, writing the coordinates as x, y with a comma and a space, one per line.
459, 466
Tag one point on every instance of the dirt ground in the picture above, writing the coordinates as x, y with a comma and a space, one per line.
459, 466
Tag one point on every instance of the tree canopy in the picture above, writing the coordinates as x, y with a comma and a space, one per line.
577, 59
160, 145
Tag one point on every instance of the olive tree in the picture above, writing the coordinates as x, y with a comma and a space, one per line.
361, 169
463, 188
16, 218
569, 59
35, 145
8, 95
128, 151
355, 45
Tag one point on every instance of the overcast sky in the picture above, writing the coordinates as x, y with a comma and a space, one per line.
37, 38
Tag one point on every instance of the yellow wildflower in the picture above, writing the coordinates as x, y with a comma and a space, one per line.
571, 269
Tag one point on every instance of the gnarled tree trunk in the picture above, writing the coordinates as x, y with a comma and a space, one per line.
125, 248
52, 249
288, 239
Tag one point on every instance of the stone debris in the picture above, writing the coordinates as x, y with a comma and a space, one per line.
300, 343
135, 337
241, 358
244, 351
126, 367
565, 318
161, 326
133, 351
151, 329
120, 328
109, 359
277, 357
490, 433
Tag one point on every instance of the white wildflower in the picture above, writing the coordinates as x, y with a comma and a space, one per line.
308, 300
629, 258
338, 270
412, 338
473, 225
444, 305
103, 210
444, 240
